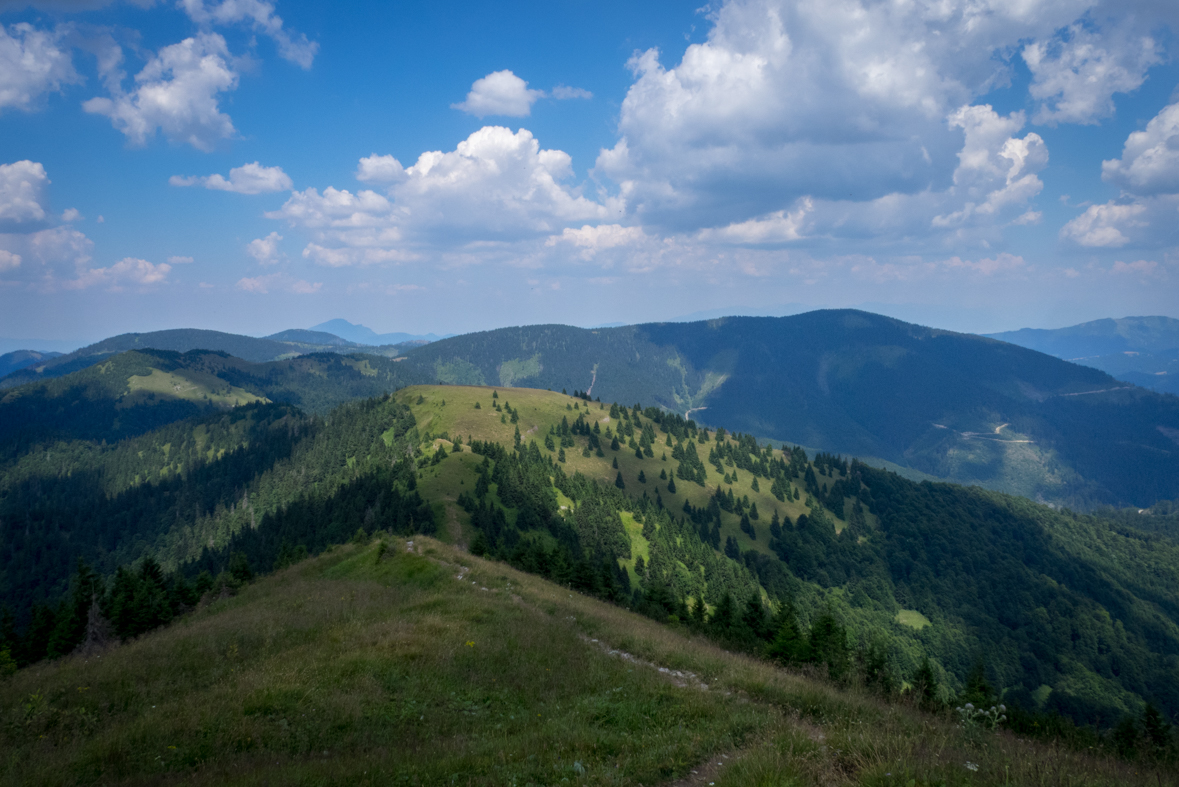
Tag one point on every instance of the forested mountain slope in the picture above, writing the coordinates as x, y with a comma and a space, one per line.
283, 345
1076, 614
138, 391
957, 406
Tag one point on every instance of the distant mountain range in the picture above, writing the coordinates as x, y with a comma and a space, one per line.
359, 334
955, 406
286, 344
1139, 350
21, 359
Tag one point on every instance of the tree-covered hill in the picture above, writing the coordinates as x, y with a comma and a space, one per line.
137, 391
1077, 614
286, 344
956, 406
1074, 613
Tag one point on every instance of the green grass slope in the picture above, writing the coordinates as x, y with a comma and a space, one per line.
434, 667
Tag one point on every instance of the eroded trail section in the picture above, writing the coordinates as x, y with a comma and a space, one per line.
681, 678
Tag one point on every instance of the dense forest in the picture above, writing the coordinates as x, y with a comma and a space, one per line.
952, 406
1068, 614
955, 406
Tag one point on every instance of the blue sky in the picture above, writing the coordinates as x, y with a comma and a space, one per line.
247, 166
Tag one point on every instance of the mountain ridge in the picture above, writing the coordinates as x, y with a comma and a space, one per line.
1143, 351
958, 406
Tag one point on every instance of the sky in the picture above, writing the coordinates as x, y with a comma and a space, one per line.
249, 166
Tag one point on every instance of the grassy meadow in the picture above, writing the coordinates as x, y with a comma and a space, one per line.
375, 664
450, 410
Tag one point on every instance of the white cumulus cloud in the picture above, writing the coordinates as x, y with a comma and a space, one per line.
500, 93
22, 193
32, 62
496, 186
246, 179
1075, 76
995, 168
127, 272
1109, 225
789, 99
176, 93
9, 260
380, 169
1150, 158
265, 250
292, 46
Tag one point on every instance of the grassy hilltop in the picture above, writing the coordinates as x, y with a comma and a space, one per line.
378, 664
450, 410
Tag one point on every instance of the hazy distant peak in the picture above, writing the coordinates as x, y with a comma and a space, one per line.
361, 334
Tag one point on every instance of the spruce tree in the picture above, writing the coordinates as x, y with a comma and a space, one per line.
977, 690
1155, 730
789, 647
720, 625
828, 640
618, 482
925, 685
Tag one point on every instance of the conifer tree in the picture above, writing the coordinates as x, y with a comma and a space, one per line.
828, 641
977, 690
925, 685
790, 647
